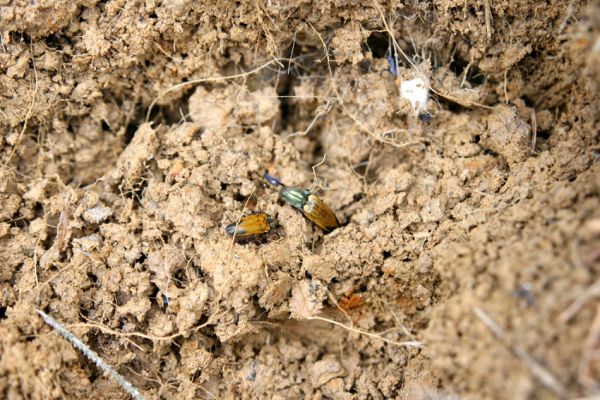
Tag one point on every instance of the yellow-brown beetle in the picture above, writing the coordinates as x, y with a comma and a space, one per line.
310, 204
252, 224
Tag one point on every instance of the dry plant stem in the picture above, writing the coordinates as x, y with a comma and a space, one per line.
314, 170
488, 20
397, 321
333, 300
389, 31
580, 301
412, 343
589, 355
29, 111
506, 101
89, 353
533, 130
537, 370
324, 110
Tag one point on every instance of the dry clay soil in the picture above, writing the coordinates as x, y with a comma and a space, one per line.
133, 132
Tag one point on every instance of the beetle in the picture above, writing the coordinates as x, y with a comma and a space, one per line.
252, 224
311, 205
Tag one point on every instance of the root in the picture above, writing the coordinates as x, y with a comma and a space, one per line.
28, 114
209, 79
397, 47
411, 343
340, 100
106, 329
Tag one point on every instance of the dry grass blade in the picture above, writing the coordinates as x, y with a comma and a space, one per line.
580, 301
537, 370
590, 355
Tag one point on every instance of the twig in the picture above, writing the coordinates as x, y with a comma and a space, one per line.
314, 170
505, 86
488, 20
321, 111
291, 53
89, 353
334, 301
537, 370
533, 129
29, 110
589, 355
391, 34
580, 301
397, 320
411, 343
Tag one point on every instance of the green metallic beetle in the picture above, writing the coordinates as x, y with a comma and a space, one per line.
310, 204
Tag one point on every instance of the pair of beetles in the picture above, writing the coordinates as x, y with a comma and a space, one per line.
311, 206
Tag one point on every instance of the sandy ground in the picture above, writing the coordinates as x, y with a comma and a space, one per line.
133, 132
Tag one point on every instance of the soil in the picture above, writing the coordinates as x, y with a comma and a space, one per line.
134, 132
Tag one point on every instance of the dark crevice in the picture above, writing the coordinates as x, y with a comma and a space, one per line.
154, 293
237, 196
284, 88
137, 193
84, 312
489, 152
180, 279
171, 114
378, 43
474, 75
130, 133
529, 102
358, 197
38, 209
451, 106
141, 259
543, 134
93, 278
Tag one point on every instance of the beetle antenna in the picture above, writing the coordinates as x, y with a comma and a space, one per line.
272, 180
